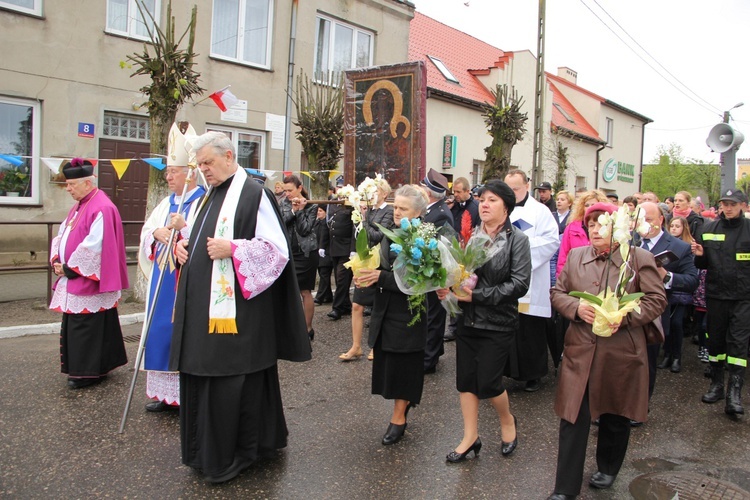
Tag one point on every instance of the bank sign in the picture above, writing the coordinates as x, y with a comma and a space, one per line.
624, 172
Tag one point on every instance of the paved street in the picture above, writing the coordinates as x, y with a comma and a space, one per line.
58, 443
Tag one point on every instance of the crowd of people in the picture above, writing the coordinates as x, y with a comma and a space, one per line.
217, 258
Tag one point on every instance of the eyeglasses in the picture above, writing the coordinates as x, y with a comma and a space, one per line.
174, 173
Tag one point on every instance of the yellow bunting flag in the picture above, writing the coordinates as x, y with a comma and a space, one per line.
303, 172
332, 174
121, 166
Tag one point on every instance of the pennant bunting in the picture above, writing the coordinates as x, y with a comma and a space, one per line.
157, 163
14, 160
121, 166
332, 174
93, 161
53, 164
305, 172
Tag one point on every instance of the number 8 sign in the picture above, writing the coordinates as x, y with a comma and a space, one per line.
86, 130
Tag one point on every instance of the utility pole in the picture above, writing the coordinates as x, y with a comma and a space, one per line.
536, 161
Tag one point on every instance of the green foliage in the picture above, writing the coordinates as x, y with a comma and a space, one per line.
561, 159
13, 180
171, 69
363, 244
671, 173
507, 125
320, 122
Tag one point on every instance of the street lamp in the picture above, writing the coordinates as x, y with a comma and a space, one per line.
726, 113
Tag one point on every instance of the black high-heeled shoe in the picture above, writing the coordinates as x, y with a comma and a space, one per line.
394, 433
508, 448
455, 457
311, 334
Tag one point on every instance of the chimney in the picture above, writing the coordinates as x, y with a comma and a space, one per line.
568, 74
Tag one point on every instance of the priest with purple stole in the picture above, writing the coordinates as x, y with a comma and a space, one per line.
237, 312
156, 259
88, 286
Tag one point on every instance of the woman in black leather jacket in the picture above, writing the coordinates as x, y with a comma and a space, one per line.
490, 321
299, 219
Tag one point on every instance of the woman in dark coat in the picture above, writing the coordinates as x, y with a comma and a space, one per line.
601, 377
380, 213
397, 369
490, 321
299, 218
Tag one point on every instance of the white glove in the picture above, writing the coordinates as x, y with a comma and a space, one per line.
352, 254
322, 252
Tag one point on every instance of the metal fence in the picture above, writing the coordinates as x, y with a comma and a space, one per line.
47, 266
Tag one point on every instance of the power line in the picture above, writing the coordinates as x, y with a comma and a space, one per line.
653, 58
645, 61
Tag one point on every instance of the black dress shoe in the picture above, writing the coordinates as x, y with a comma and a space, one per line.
234, 470
455, 457
430, 370
533, 385
367, 312
560, 496
160, 406
334, 315
508, 448
80, 383
449, 336
311, 334
635, 423
665, 363
601, 481
676, 366
394, 433
317, 302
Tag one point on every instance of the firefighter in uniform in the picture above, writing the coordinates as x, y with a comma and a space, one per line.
723, 248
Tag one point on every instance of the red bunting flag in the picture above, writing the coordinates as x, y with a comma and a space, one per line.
224, 98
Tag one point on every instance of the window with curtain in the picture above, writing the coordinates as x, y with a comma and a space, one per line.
241, 31
19, 151
124, 17
26, 6
338, 47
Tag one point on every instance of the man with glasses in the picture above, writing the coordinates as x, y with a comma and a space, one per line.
89, 286
162, 385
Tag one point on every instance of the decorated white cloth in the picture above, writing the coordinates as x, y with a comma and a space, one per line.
164, 386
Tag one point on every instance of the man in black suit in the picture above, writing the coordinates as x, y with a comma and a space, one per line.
436, 186
340, 245
324, 295
679, 276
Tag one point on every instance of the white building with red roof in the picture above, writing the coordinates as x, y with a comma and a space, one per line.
604, 140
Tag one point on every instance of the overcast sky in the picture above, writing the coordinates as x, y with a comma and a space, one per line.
705, 45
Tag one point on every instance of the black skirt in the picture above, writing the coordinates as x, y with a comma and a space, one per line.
398, 375
306, 269
223, 418
364, 296
481, 356
91, 345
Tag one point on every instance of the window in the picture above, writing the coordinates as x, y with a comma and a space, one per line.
580, 183
610, 131
339, 47
26, 6
564, 113
130, 127
440, 65
477, 169
124, 18
248, 144
241, 31
19, 151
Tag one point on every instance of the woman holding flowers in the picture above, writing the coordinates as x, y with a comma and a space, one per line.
299, 219
605, 374
397, 340
489, 320
373, 212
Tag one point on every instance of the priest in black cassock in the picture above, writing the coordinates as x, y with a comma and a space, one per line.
237, 312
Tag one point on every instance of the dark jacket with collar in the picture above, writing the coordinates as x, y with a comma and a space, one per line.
457, 211
391, 313
684, 272
501, 282
300, 226
439, 214
726, 255
341, 231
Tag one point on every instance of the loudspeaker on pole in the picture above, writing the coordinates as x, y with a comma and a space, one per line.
723, 137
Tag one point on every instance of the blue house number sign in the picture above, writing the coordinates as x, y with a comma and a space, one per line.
86, 130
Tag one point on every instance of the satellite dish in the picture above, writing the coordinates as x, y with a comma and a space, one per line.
723, 138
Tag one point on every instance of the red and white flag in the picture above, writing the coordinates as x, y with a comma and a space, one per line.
224, 98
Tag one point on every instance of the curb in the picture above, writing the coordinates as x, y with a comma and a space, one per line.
7, 332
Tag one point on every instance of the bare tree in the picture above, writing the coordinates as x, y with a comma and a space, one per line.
173, 81
506, 124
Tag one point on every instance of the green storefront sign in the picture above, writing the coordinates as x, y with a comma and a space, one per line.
622, 171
